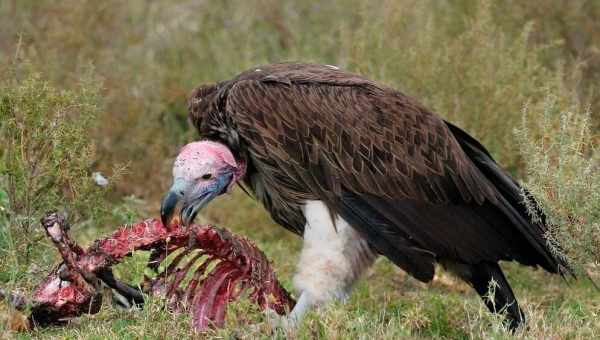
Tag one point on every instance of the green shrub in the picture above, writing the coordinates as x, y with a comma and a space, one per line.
563, 172
45, 159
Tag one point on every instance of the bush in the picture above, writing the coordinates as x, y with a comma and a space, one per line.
45, 159
563, 172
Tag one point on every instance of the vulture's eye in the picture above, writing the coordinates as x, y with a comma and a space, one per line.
206, 176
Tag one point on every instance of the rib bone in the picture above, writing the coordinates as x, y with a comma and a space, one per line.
213, 268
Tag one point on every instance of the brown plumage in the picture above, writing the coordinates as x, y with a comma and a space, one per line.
416, 187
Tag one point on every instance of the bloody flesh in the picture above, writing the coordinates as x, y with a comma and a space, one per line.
212, 267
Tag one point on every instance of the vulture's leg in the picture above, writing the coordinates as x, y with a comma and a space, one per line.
333, 257
497, 296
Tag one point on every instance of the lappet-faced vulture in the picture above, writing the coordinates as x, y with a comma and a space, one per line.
359, 169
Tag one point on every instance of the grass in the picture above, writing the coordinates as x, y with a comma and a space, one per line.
385, 304
476, 63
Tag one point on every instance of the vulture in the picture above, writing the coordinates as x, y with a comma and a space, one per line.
359, 169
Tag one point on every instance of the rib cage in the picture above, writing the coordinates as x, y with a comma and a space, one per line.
212, 268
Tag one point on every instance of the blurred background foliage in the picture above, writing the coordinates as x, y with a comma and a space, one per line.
122, 70
471, 61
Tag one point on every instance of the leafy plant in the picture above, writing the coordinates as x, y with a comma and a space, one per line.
46, 157
562, 164
47, 154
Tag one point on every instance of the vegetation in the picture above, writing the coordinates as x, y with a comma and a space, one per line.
44, 163
518, 75
563, 174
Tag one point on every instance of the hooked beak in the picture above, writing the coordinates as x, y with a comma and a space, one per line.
167, 206
193, 201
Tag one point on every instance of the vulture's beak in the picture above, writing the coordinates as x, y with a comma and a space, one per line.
194, 195
170, 200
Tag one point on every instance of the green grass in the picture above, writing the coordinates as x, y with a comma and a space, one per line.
386, 303
476, 63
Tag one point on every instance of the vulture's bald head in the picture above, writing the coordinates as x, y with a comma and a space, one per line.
202, 171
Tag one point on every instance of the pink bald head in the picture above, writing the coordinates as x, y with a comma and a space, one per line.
198, 160
202, 171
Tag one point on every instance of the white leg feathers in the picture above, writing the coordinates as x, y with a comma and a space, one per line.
333, 257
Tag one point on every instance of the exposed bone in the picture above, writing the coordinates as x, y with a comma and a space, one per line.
73, 288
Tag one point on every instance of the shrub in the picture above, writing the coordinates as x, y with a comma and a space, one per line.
562, 164
45, 159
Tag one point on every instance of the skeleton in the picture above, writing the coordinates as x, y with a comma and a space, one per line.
74, 286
